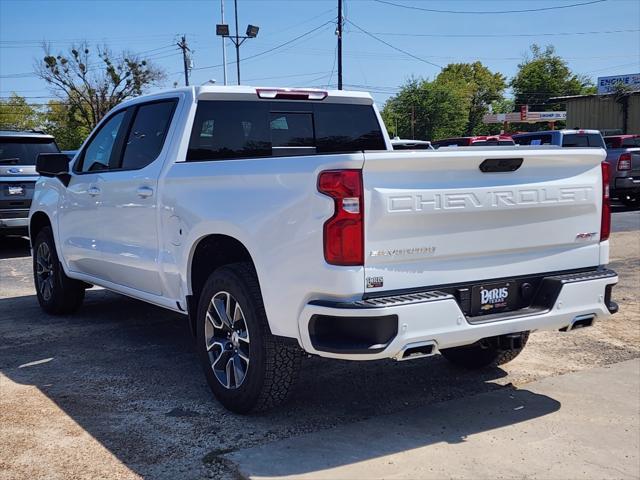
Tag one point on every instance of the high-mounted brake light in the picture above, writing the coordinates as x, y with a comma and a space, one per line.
605, 223
344, 231
291, 94
624, 162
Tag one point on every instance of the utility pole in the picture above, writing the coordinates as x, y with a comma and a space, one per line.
413, 122
339, 33
182, 44
224, 45
235, 2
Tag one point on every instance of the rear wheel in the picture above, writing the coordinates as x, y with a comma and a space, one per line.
57, 293
489, 352
247, 368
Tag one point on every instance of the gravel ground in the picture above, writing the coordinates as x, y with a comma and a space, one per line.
115, 391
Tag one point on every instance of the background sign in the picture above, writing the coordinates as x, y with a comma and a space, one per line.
608, 84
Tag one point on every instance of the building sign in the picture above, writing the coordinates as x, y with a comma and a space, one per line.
608, 84
529, 117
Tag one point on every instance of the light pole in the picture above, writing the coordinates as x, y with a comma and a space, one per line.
222, 30
224, 45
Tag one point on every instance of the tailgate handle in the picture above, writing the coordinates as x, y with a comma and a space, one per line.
491, 165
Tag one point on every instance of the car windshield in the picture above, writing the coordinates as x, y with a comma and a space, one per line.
24, 151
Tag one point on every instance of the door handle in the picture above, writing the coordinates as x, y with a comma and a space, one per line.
145, 192
93, 191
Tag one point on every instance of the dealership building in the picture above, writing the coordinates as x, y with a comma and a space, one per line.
606, 111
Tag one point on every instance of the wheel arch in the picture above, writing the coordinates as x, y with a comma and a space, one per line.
37, 222
209, 253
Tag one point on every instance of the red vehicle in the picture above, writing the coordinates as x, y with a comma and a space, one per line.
622, 141
478, 141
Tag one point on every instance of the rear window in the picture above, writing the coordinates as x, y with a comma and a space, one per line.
582, 140
24, 151
534, 140
631, 142
249, 129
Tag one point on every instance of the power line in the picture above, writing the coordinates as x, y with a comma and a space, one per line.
393, 46
277, 47
500, 35
485, 12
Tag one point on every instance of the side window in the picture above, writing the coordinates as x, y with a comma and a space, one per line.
97, 155
229, 129
347, 128
147, 134
631, 142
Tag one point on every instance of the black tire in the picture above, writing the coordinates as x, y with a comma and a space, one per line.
268, 376
57, 293
483, 354
631, 200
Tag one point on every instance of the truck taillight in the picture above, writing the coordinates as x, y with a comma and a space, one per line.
605, 224
624, 162
344, 231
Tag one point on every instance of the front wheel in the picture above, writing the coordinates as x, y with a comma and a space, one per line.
247, 368
57, 293
489, 352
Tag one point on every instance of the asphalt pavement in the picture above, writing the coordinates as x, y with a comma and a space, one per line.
115, 390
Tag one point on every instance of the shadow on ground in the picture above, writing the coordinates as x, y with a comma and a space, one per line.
125, 372
14, 247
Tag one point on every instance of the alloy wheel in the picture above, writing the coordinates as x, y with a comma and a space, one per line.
44, 271
227, 340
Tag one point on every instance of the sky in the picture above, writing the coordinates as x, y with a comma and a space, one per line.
385, 42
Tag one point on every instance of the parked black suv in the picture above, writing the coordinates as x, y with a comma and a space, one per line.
18, 153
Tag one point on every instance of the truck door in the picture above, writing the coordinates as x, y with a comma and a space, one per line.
80, 227
129, 204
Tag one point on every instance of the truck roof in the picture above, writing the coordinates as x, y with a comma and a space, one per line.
246, 92
563, 131
24, 134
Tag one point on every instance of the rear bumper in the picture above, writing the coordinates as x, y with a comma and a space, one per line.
389, 324
630, 183
14, 218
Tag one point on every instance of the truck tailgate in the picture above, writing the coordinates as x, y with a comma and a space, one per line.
435, 218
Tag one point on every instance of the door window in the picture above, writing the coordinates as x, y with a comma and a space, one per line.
97, 155
147, 134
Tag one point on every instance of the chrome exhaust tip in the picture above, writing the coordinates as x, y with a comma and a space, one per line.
417, 350
581, 321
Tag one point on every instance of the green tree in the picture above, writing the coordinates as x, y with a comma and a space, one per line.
432, 108
483, 87
543, 75
17, 114
63, 122
93, 86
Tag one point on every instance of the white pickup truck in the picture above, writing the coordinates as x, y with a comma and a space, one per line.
281, 221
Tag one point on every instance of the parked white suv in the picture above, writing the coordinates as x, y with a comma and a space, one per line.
281, 221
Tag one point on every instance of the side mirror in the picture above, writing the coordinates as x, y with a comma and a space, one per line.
54, 165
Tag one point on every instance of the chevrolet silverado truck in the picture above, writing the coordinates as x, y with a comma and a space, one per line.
281, 221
